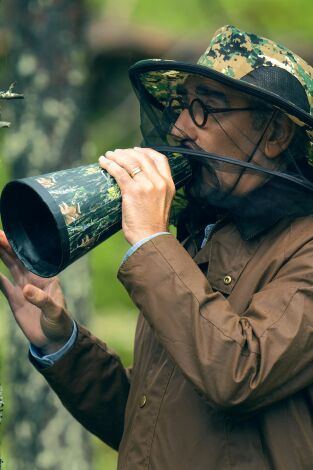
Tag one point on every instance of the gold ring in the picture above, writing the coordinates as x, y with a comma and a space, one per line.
135, 171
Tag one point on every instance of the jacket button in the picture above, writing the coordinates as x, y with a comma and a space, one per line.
142, 401
227, 280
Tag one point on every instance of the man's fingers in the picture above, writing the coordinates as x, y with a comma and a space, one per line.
159, 160
154, 165
42, 300
4, 242
6, 286
129, 159
15, 267
121, 176
13, 296
10, 260
18, 271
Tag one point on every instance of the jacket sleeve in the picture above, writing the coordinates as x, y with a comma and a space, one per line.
239, 363
93, 385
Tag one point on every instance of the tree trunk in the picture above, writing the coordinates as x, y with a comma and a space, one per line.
47, 60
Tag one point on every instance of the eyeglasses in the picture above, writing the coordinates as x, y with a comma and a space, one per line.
199, 111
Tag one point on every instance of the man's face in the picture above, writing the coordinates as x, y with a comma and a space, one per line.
232, 134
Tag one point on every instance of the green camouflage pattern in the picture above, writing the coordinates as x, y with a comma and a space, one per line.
163, 84
89, 201
235, 53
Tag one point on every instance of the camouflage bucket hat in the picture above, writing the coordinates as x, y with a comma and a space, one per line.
248, 63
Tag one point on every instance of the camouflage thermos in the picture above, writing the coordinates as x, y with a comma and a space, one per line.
53, 219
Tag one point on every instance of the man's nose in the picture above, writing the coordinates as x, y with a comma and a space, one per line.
184, 125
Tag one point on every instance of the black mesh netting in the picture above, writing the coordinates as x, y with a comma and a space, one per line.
248, 158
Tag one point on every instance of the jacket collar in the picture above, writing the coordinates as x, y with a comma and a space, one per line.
258, 213
252, 228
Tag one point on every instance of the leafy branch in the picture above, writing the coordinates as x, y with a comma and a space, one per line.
9, 94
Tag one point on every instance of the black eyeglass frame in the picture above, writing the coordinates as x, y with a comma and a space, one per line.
207, 110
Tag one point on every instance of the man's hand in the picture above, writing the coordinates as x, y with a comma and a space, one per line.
147, 196
37, 304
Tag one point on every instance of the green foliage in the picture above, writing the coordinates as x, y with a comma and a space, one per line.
117, 329
4, 167
107, 292
275, 18
272, 17
180, 17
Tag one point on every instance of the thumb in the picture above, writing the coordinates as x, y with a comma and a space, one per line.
42, 300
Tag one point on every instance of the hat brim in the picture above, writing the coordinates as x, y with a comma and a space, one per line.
163, 67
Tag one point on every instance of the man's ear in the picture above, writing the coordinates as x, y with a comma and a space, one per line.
279, 135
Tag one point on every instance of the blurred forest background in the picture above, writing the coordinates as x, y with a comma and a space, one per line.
70, 59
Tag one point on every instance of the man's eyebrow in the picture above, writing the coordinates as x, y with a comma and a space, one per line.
203, 90
206, 91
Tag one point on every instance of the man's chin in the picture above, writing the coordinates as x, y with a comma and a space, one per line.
205, 189
210, 195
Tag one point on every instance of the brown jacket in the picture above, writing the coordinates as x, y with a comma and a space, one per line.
223, 362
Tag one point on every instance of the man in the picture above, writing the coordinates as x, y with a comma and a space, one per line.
223, 370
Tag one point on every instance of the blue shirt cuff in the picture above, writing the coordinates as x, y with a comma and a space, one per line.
137, 245
50, 359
